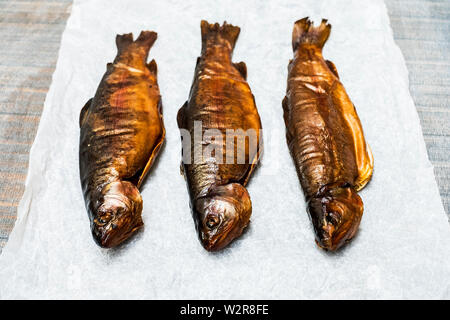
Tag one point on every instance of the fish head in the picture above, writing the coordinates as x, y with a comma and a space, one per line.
119, 214
222, 215
335, 213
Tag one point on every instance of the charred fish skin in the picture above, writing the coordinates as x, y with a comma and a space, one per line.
325, 138
220, 99
121, 133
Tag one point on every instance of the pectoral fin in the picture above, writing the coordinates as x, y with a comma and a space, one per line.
365, 169
84, 110
255, 160
155, 150
251, 168
363, 153
180, 115
284, 103
285, 117
182, 170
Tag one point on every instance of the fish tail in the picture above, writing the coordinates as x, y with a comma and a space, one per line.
143, 43
305, 32
215, 33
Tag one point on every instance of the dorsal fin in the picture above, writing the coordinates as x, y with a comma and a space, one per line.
242, 68
332, 67
153, 67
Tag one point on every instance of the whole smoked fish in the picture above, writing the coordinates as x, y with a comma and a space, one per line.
220, 99
325, 138
121, 133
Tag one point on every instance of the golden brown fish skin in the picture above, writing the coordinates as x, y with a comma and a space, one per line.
325, 139
221, 99
121, 132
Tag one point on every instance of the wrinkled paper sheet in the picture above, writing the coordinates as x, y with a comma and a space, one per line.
402, 249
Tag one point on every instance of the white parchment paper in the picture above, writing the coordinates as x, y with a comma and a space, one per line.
403, 246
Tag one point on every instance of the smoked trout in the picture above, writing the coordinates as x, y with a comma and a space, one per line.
220, 102
121, 133
325, 138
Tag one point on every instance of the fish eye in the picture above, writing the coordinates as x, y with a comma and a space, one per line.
332, 217
104, 218
212, 221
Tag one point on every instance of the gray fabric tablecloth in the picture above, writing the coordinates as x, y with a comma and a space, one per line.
31, 33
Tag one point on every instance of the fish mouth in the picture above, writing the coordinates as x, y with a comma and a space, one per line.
112, 226
222, 215
220, 238
335, 231
336, 213
109, 238
118, 216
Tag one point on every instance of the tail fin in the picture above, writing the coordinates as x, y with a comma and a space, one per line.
143, 43
305, 32
216, 33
